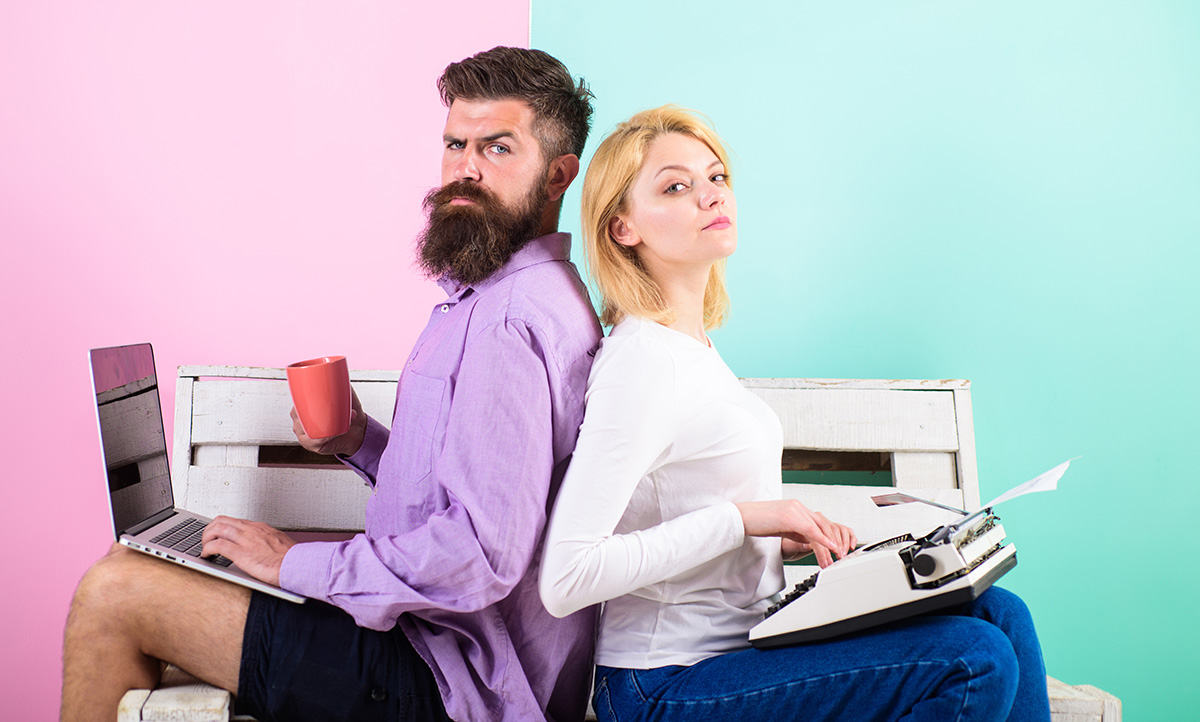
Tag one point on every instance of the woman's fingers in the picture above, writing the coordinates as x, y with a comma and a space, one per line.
790, 519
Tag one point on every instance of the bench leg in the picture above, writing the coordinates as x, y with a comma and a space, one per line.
178, 697
1082, 703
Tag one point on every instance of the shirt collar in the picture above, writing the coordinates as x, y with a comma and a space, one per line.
550, 247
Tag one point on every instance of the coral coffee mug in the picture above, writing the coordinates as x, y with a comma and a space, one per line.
321, 393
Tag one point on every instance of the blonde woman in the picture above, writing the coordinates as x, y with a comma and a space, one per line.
671, 511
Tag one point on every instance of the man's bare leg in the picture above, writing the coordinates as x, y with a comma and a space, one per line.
129, 612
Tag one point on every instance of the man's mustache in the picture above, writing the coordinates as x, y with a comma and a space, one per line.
439, 197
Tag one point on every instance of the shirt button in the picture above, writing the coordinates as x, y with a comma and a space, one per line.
379, 694
445, 308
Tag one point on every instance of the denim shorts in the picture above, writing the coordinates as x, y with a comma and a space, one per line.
312, 662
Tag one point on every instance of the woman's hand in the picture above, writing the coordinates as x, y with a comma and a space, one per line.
801, 529
346, 444
793, 550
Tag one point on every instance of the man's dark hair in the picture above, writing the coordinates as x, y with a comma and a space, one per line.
561, 107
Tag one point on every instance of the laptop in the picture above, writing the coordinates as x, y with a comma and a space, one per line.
134, 448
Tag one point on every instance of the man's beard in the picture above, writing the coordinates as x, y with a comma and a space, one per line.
467, 243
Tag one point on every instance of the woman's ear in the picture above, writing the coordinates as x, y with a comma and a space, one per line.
622, 233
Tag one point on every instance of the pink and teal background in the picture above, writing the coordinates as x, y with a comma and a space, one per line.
1005, 192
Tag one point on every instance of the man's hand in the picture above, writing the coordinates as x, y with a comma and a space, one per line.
802, 530
255, 547
347, 444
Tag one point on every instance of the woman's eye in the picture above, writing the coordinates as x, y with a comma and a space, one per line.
721, 178
676, 188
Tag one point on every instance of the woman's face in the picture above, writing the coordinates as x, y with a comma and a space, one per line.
682, 214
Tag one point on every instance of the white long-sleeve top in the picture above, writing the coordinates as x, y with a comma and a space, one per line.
645, 519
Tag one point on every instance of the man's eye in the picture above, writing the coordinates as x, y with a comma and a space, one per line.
454, 145
500, 150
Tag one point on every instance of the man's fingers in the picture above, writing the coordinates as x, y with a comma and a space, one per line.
221, 546
224, 527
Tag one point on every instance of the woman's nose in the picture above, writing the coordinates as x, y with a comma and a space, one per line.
713, 195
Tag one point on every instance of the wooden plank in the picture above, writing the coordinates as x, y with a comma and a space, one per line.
968, 473
258, 372
187, 703
924, 469
902, 384
301, 499
181, 451
864, 419
1082, 702
129, 709
1110, 702
258, 411
852, 505
225, 455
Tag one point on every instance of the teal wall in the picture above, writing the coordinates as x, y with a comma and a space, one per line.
1005, 192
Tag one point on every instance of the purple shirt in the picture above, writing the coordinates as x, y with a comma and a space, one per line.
487, 413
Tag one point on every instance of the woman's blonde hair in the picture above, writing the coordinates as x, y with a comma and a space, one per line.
626, 289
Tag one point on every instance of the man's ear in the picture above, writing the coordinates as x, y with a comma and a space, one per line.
561, 173
622, 233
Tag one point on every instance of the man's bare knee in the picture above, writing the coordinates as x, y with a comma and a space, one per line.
161, 611
112, 581
101, 589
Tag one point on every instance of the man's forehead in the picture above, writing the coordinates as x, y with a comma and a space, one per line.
488, 118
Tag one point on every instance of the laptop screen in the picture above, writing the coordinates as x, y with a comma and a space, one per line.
131, 433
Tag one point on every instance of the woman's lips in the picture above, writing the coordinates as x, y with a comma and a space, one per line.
720, 223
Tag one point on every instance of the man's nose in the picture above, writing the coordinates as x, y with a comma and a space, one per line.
467, 167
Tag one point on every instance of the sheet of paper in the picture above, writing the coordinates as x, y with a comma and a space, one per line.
1047, 481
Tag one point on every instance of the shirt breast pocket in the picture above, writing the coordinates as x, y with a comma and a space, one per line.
417, 421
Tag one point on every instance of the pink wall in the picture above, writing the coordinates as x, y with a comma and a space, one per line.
175, 173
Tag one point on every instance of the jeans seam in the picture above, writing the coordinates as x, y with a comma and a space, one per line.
966, 687
633, 682
605, 696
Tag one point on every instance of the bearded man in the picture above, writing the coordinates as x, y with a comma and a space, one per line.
433, 612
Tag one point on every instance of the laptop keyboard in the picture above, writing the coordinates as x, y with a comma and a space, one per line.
185, 537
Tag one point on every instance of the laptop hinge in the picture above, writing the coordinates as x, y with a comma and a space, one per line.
147, 523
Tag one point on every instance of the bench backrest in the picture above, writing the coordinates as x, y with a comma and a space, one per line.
235, 452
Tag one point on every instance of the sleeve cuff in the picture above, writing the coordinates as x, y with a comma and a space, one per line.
365, 461
305, 569
733, 528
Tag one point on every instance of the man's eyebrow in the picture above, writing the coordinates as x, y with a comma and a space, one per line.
498, 136
486, 139
683, 168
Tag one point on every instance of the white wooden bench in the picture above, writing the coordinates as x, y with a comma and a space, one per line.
234, 453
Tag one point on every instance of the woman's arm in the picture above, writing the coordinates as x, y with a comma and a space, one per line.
628, 431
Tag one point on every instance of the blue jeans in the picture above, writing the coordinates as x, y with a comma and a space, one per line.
979, 661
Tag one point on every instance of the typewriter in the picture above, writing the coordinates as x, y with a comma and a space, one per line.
890, 580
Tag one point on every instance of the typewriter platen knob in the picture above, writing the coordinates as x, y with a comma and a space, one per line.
924, 565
